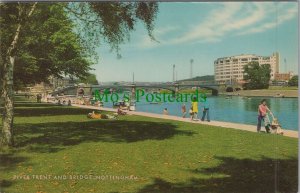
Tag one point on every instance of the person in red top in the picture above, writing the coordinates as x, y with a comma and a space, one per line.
262, 111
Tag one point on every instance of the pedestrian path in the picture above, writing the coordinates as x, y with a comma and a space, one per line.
245, 127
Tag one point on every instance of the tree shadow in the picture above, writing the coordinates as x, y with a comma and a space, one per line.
54, 136
239, 176
32, 104
31, 109
5, 184
49, 111
8, 162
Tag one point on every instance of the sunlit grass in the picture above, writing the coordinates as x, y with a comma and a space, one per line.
164, 156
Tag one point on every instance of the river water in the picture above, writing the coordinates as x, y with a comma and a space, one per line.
236, 109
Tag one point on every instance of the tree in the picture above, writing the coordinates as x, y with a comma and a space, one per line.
50, 51
293, 81
257, 76
8, 56
65, 56
89, 79
111, 21
229, 89
31, 63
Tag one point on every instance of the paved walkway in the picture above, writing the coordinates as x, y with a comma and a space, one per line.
252, 128
266, 93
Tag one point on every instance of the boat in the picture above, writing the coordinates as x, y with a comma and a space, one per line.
155, 103
279, 95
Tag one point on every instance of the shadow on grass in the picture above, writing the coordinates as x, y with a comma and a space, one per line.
33, 104
52, 137
241, 176
49, 111
31, 109
8, 162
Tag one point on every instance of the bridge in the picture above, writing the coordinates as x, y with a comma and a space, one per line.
173, 87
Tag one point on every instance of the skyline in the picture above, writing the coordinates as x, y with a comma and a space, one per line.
203, 32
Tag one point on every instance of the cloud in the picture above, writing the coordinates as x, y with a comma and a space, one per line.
209, 29
229, 19
287, 15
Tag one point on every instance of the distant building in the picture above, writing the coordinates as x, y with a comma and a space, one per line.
231, 69
283, 76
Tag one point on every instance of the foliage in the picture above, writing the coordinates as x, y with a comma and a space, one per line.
229, 89
257, 76
60, 39
89, 79
47, 45
201, 78
293, 81
111, 22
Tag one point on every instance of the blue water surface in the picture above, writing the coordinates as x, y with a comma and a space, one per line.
236, 109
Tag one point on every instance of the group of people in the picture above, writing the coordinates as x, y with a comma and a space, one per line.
263, 112
120, 111
194, 110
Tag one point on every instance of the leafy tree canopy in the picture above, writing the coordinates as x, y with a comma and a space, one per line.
60, 39
257, 76
89, 79
111, 22
293, 81
47, 46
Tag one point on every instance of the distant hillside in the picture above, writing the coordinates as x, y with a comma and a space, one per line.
201, 78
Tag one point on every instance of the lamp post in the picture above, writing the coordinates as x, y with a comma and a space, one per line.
191, 69
173, 72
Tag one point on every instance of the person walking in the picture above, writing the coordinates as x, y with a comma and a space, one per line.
262, 112
205, 111
195, 108
183, 110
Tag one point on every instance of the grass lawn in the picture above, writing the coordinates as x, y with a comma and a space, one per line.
161, 156
282, 88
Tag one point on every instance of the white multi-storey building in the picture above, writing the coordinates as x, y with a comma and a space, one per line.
231, 69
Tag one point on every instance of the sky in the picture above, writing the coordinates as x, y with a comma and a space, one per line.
203, 31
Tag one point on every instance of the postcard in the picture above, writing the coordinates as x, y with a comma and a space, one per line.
149, 97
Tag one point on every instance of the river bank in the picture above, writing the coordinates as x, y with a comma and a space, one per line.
263, 93
245, 127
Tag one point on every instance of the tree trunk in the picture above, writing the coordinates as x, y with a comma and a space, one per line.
8, 92
7, 89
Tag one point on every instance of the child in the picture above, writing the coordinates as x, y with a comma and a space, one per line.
183, 110
120, 111
267, 123
165, 112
